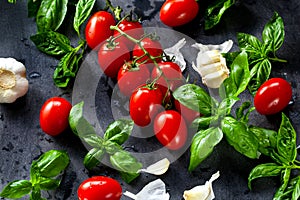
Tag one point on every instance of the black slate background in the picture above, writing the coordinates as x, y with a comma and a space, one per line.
21, 139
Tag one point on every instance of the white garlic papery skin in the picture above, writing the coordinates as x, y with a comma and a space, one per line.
13, 82
202, 192
210, 63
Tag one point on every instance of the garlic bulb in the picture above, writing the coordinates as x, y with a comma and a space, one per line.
210, 63
202, 192
13, 82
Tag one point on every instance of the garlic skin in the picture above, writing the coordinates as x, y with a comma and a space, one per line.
210, 63
13, 82
202, 192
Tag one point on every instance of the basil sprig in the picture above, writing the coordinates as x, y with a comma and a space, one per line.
49, 15
284, 156
44, 175
262, 53
108, 145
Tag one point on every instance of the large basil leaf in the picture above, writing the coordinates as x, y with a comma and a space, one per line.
83, 10
249, 43
48, 183
52, 163
16, 189
215, 11
93, 158
119, 131
285, 177
203, 122
273, 34
51, 14
240, 137
203, 144
239, 77
264, 170
195, 98
52, 43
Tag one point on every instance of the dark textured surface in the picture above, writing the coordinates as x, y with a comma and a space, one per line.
22, 139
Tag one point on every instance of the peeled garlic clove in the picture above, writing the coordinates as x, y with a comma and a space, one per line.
215, 79
155, 190
208, 57
157, 168
202, 192
211, 68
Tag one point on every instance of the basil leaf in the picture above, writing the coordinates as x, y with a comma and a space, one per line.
239, 77
16, 189
285, 176
66, 69
33, 7
203, 144
52, 43
36, 194
249, 43
215, 11
226, 105
83, 10
264, 170
93, 158
273, 34
51, 14
119, 131
240, 111
52, 163
260, 73
111, 147
203, 122
286, 140
238, 136
296, 188
266, 139
48, 183
128, 165
195, 98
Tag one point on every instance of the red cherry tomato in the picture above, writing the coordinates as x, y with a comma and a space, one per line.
170, 71
129, 78
54, 115
152, 46
188, 114
272, 96
112, 58
98, 28
178, 12
132, 28
170, 129
144, 104
99, 187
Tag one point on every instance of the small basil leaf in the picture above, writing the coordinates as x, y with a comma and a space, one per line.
126, 164
285, 176
215, 11
249, 43
203, 144
36, 194
93, 158
51, 14
203, 122
264, 170
33, 7
52, 163
266, 139
238, 135
296, 188
273, 33
16, 189
226, 105
48, 183
111, 147
52, 43
83, 10
240, 111
286, 140
195, 98
119, 131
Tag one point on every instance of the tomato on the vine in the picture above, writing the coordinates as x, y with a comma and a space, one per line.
272, 96
98, 29
130, 77
132, 28
178, 12
99, 187
145, 102
54, 115
152, 46
170, 129
111, 57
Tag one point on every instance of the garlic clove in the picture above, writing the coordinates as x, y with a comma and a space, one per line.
222, 48
211, 68
202, 192
208, 57
215, 79
157, 168
155, 190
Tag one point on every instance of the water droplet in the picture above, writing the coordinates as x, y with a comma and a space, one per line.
34, 75
1, 117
